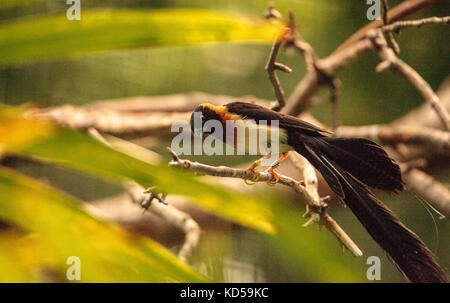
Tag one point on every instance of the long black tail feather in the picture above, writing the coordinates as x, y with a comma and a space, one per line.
346, 164
365, 160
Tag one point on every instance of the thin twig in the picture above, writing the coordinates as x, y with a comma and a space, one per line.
271, 67
313, 206
396, 26
271, 13
388, 35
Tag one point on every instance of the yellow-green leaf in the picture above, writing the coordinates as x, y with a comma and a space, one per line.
41, 37
106, 252
5, 4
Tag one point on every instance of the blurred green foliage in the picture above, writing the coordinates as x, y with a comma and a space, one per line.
54, 226
55, 36
63, 229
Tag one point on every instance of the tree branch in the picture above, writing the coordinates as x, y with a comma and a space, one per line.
271, 66
390, 60
428, 188
401, 11
424, 114
395, 27
300, 99
433, 139
135, 115
353, 49
169, 213
388, 35
308, 193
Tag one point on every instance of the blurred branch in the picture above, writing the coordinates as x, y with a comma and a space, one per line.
119, 210
325, 70
345, 56
418, 181
111, 121
388, 35
390, 60
311, 186
300, 99
307, 190
401, 11
159, 110
170, 214
170, 103
271, 67
403, 137
135, 115
434, 192
335, 88
424, 114
436, 140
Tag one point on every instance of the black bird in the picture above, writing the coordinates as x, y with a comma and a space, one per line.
349, 166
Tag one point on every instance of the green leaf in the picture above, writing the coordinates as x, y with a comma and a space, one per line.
106, 252
42, 37
14, 259
73, 149
5, 4
316, 253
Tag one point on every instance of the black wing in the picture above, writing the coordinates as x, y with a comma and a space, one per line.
257, 113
